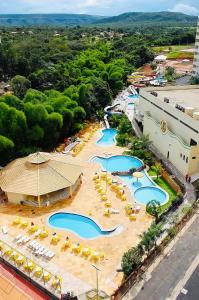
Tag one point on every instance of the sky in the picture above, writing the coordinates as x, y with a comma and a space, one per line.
97, 7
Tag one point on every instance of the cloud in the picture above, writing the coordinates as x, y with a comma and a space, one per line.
185, 8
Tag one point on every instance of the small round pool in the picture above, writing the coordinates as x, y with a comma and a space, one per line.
80, 225
108, 137
145, 194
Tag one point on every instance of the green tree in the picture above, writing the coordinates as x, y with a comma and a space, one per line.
131, 260
153, 208
20, 85
157, 169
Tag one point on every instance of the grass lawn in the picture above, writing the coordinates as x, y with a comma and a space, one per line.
151, 172
172, 48
180, 55
165, 186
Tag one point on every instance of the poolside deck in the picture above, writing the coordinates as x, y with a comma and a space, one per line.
77, 272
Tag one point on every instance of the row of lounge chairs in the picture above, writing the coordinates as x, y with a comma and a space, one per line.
40, 250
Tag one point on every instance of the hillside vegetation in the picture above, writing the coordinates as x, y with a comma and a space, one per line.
126, 19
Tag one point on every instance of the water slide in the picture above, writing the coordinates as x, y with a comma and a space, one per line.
129, 172
108, 112
132, 90
108, 109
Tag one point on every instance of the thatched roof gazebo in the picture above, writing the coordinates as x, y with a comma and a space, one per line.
38, 175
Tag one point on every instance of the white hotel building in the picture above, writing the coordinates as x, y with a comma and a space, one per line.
170, 116
196, 58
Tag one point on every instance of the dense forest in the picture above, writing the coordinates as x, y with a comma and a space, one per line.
62, 76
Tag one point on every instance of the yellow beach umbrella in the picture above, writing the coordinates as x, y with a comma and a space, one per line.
20, 260
138, 175
16, 221
95, 256
55, 239
46, 276
14, 255
56, 281
76, 248
38, 271
44, 233
24, 223
33, 228
30, 266
8, 251
86, 251
1, 245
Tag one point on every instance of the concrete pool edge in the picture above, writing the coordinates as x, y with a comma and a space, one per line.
112, 232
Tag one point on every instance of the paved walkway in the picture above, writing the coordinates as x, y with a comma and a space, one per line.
172, 268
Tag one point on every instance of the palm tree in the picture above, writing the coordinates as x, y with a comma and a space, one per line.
158, 169
153, 208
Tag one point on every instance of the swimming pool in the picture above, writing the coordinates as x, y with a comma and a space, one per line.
135, 97
149, 190
81, 225
108, 137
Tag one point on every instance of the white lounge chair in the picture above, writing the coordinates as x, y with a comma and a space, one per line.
4, 230
19, 236
37, 233
114, 211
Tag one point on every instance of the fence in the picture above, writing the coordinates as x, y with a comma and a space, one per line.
170, 181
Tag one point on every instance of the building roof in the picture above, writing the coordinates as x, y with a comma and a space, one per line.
40, 173
185, 95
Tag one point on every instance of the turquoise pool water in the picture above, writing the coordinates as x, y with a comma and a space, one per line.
81, 225
108, 137
124, 163
135, 97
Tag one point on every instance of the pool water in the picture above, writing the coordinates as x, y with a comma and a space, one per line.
81, 225
108, 137
124, 163
135, 97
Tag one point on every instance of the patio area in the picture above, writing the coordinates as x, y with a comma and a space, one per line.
76, 271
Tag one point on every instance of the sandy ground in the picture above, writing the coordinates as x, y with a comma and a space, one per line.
179, 66
87, 201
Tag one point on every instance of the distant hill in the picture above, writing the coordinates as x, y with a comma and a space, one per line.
47, 19
126, 19
163, 17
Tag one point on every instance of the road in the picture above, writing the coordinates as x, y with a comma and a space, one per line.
191, 288
171, 270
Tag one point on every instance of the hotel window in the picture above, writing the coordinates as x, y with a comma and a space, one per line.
194, 157
183, 157
187, 160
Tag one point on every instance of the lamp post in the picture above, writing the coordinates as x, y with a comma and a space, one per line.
97, 283
106, 155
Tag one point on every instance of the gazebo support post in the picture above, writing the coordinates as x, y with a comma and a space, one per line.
71, 192
39, 200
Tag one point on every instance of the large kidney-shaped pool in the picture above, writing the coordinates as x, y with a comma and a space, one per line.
144, 189
108, 137
81, 225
